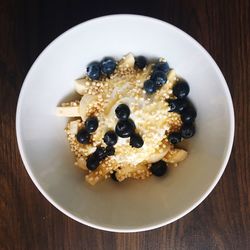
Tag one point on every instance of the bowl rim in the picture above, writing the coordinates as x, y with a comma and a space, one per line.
153, 225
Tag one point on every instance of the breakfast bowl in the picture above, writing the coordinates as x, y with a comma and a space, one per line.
129, 206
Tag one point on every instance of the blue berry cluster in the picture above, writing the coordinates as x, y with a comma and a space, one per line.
91, 125
100, 154
125, 126
181, 105
83, 136
187, 111
96, 69
188, 114
158, 78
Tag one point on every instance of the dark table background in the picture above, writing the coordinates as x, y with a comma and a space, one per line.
29, 221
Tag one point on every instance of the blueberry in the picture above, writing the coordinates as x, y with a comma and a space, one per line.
100, 153
110, 150
187, 130
83, 136
150, 87
122, 112
173, 105
159, 78
113, 176
108, 65
182, 104
125, 128
110, 138
136, 141
181, 89
140, 62
94, 71
174, 137
177, 105
162, 66
188, 115
92, 162
159, 168
91, 124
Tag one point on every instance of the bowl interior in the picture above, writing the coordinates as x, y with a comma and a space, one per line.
132, 205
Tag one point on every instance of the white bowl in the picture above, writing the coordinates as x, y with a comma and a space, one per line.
133, 205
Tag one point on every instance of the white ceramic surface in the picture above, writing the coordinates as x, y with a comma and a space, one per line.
133, 205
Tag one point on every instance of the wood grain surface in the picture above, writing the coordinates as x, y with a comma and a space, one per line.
29, 221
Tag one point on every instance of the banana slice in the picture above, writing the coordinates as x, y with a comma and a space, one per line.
82, 85
175, 155
127, 61
110, 104
171, 75
81, 163
86, 149
157, 156
73, 127
68, 111
136, 156
86, 102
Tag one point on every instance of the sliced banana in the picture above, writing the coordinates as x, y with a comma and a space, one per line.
111, 104
86, 102
157, 156
127, 61
171, 75
81, 163
68, 111
87, 149
175, 155
82, 85
137, 156
73, 127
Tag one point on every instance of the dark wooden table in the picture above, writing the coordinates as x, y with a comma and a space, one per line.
29, 221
